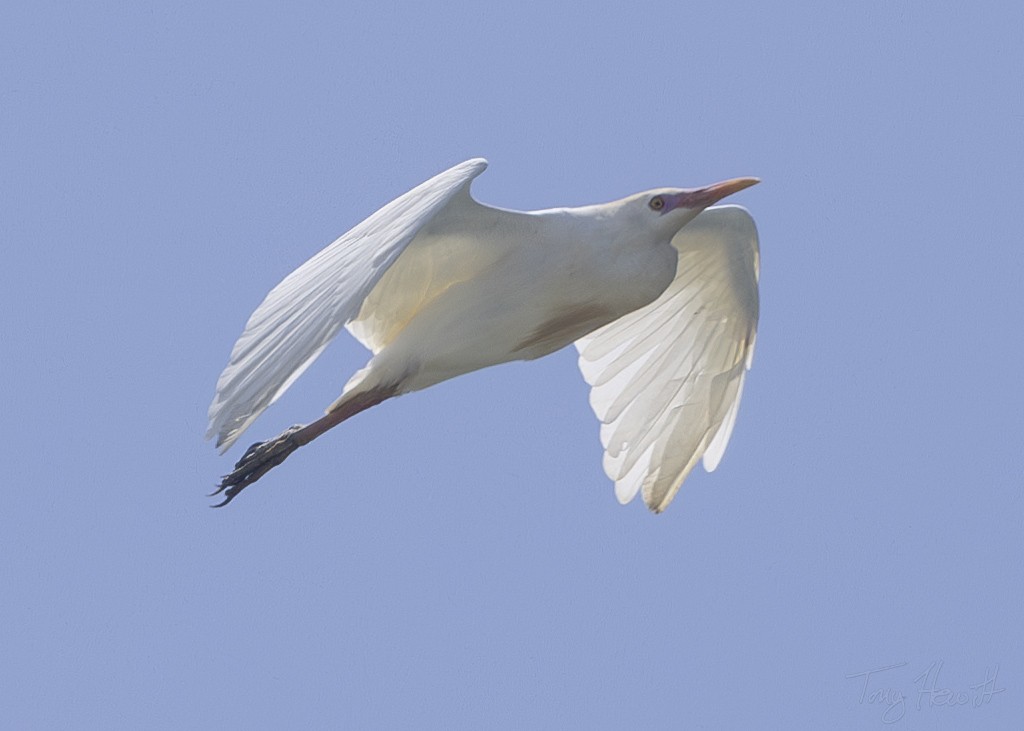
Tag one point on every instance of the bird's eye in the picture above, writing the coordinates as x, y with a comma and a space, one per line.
656, 203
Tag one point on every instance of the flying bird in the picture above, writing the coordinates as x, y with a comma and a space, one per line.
658, 291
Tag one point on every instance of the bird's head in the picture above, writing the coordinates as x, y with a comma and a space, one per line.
672, 208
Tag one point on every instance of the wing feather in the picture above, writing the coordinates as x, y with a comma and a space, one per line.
666, 380
301, 315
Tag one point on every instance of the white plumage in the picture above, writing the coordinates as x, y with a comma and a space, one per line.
304, 312
660, 298
666, 379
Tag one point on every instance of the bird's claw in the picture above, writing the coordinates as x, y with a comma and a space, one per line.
257, 461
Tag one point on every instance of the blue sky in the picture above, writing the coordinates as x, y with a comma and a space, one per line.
456, 558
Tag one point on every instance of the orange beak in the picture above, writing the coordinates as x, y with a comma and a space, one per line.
704, 197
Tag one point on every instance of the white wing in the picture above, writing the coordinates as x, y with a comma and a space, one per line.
666, 379
304, 312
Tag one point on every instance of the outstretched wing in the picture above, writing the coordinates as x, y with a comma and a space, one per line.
304, 312
666, 379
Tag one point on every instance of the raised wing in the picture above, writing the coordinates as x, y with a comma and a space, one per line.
666, 379
456, 246
301, 315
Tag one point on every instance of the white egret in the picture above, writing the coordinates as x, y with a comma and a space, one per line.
657, 290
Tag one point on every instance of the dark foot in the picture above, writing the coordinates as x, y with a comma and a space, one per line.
257, 461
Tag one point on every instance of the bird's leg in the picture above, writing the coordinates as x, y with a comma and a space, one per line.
262, 457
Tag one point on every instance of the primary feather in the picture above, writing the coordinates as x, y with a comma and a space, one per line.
666, 379
301, 315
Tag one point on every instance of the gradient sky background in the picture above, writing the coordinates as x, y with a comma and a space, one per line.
456, 558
